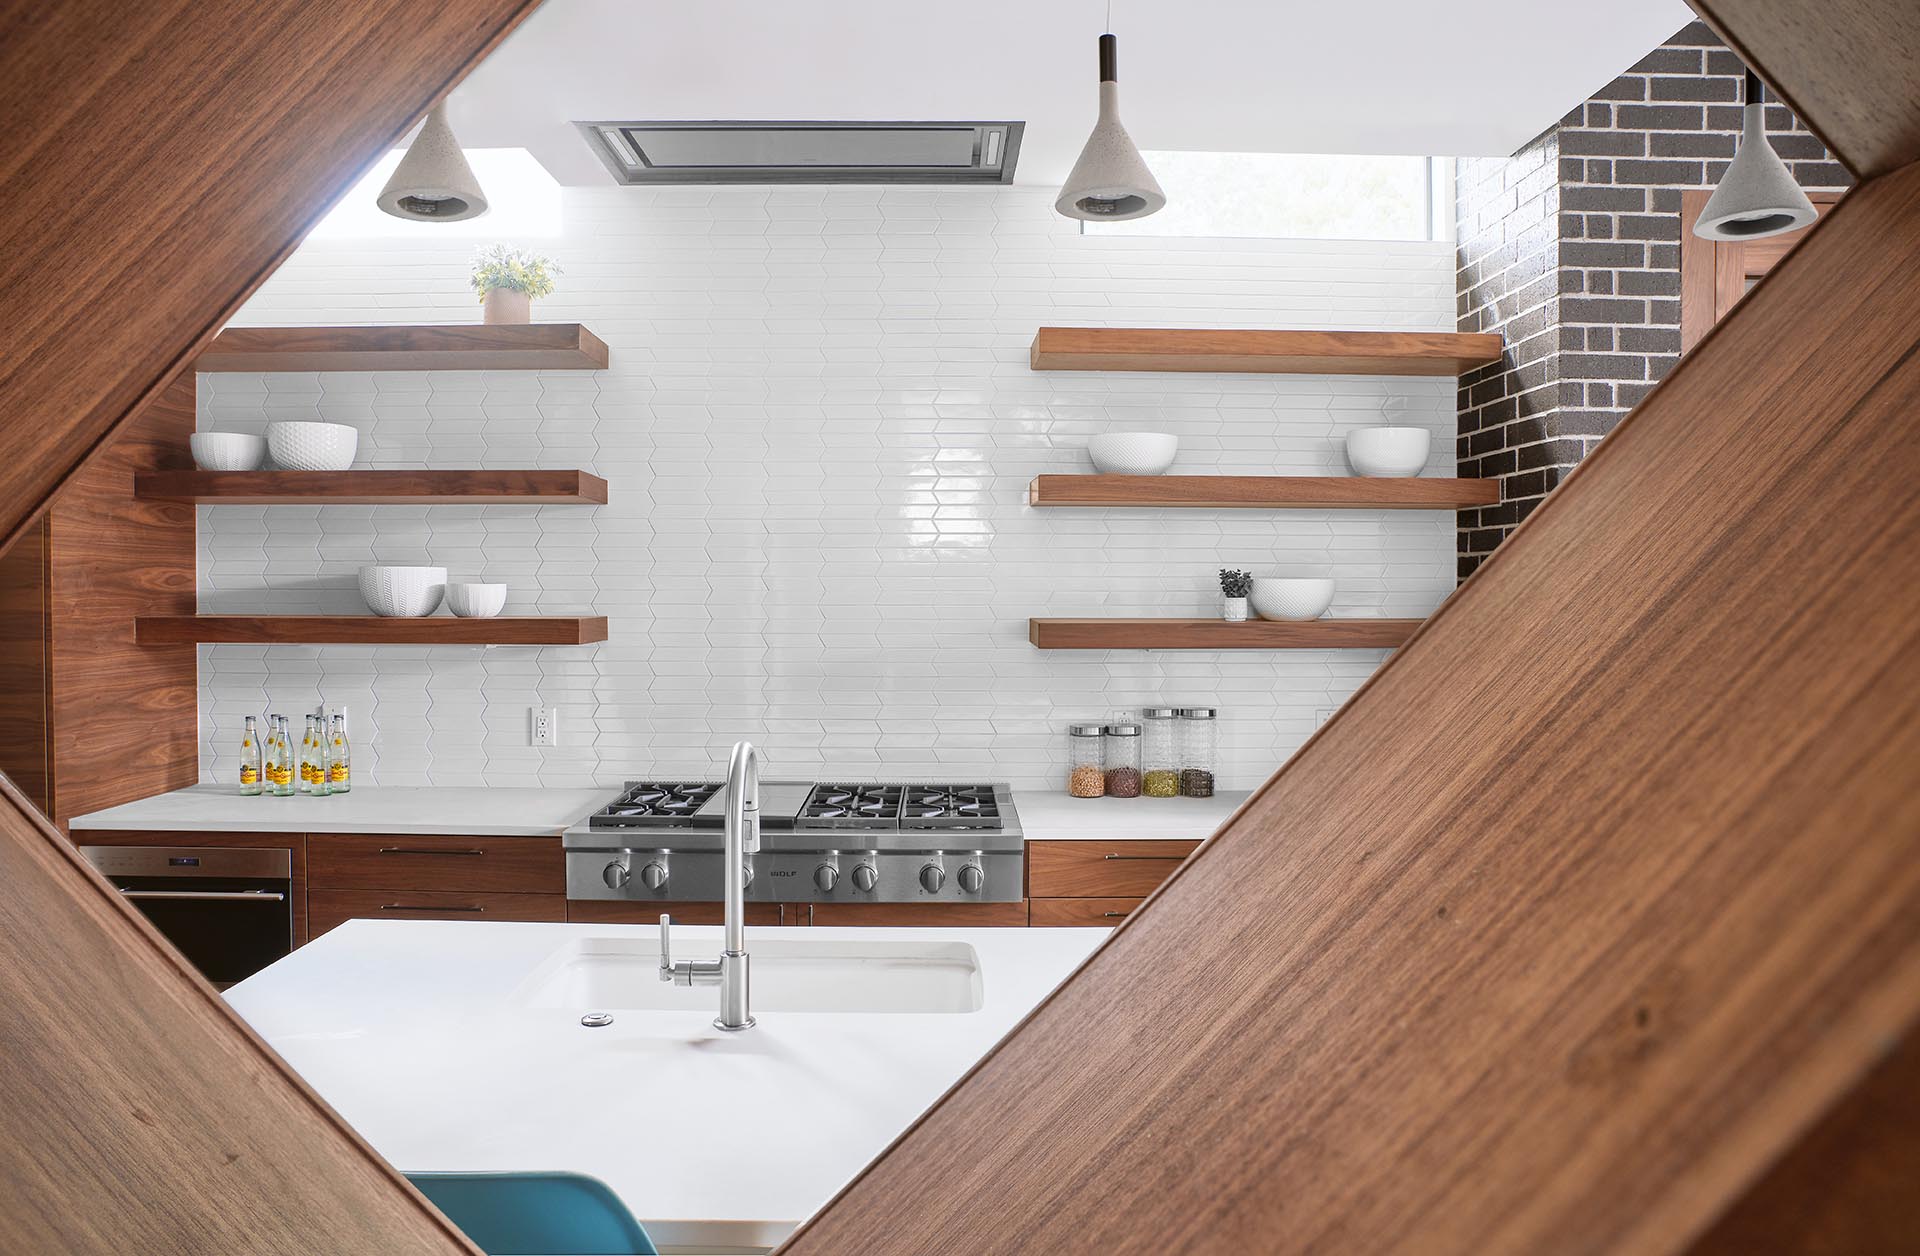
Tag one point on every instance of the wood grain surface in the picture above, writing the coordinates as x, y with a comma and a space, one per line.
1218, 634
1593, 900
512, 865
1095, 869
1056, 913
171, 630
329, 909
26, 667
1271, 352
373, 488
1263, 492
468, 347
1849, 69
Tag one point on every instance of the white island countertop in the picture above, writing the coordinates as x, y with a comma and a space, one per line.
426, 1038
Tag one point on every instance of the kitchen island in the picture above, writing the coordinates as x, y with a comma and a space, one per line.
460, 1046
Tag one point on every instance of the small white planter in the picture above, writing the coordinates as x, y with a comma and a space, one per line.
1236, 610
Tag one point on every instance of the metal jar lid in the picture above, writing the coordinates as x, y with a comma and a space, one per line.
1084, 730
1158, 713
1123, 730
1197, 713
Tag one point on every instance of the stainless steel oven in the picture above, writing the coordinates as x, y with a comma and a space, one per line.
228, 909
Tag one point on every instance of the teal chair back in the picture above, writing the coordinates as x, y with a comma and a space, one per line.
536, 1214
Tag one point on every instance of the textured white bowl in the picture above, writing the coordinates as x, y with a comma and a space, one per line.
1292, 598
1389, 452
405, 592
476, 601
228, 451
1133, 453
313, 446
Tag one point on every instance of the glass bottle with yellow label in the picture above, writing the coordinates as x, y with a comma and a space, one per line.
339, 757
250, 760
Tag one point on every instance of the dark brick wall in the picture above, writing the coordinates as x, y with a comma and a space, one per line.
1571, 250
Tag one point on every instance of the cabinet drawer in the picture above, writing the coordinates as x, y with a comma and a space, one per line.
498, 865
1106, 912
1117, 869
610, 912
327, 908
918, 915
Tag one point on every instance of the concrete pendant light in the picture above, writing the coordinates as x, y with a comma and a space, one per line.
1110, 183
433, 182
1757, 196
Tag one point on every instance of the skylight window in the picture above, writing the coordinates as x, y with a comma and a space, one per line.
1310, 196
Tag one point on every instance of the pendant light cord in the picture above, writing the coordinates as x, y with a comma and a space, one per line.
1109, 17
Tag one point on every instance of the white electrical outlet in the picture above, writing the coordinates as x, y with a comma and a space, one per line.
543, 726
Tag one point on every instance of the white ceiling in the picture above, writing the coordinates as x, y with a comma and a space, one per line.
1440, 77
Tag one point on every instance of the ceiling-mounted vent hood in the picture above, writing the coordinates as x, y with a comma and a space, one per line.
807, 152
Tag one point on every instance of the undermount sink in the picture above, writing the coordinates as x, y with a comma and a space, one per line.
613, 974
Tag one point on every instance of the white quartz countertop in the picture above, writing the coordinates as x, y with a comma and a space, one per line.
1045, 815
424, 1036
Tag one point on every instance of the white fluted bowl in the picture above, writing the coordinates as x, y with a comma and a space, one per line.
1292, 598
228, 451
476, 601
1389, 452
312, 446
403, 592
1133, 453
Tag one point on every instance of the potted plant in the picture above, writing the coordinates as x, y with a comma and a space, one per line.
508, 281
1235, 585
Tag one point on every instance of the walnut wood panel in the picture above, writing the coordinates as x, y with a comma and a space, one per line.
593, 912
1271, 352
371, 488
295, 844
510, 865
329, 909
1714, 274
466, 347
125, 718
1218, 634
1849, 69
1263, 492
26, 674
919, 915
1081, 912
165, 630
1116, 869
1593, 900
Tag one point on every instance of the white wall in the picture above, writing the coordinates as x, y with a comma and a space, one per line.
819, 426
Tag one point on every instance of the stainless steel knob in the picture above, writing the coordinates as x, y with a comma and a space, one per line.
932, 877
826, 876
654, 875
865, 877
615, 875
746, 874
971, 878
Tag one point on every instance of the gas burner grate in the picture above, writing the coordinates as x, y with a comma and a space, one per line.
850, 806
949, 806
655, 803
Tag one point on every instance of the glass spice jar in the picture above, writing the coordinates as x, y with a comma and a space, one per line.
1160, 765
1123, 760
1196, 742
1086, 767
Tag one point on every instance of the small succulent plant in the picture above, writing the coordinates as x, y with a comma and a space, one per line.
1235, 583
503, 266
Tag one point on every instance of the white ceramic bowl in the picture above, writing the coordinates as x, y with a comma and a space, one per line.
1389, 452
228, 451
476, 601
1133, 453
313, 446
1295, 598
407, 592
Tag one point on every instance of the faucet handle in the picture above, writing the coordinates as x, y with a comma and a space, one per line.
666, 947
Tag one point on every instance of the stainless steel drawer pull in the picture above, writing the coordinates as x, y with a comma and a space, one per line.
412, 850
1115, 913
1144, 858
231, 896
416, 907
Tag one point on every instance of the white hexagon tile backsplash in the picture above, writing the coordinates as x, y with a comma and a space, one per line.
818, 428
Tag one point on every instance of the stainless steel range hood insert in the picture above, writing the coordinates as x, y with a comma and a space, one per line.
806, 152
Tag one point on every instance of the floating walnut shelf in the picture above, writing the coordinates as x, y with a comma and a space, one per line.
468, 347
1273, 352
369, 630
376, 488
1218, 634
1271, 492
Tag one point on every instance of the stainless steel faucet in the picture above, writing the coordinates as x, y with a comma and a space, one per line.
729, 972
